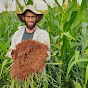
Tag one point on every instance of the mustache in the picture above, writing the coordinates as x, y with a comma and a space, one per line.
31, 27
30, 22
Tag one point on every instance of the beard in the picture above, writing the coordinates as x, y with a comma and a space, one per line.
30, 27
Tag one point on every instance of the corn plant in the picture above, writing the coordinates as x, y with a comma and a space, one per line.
65, 28
8, 25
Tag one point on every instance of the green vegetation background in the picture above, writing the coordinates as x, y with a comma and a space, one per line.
68, 31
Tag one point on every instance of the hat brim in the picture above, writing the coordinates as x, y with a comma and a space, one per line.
40, 16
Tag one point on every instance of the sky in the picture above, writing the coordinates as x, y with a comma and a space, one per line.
40, 4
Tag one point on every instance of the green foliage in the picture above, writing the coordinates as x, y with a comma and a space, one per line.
76, 84
65, 29
27, 2
8, 25
21, 8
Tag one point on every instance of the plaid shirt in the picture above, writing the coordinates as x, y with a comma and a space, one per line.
39, 35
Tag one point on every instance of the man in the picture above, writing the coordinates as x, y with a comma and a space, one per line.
30, 16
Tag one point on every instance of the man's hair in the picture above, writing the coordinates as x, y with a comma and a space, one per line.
28, 11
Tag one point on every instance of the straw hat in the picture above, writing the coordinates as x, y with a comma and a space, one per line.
33, 9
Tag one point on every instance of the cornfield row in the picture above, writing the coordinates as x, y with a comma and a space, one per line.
68, 31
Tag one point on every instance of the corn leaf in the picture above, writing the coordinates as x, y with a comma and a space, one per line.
67, 25
76, 84
21, 8
86, 77
59, 7
29, 2
68, 35
84, 42
76, 56
80, 13
67, 13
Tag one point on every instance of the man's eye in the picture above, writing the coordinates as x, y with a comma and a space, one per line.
30, 16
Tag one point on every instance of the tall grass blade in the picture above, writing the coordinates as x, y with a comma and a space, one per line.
3, 47
3, 65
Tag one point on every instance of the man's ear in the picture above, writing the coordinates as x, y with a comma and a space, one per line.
23, 18
36, 18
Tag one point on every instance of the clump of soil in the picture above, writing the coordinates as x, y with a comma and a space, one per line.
29, 57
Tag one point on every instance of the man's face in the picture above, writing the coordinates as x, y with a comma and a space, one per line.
30, 20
